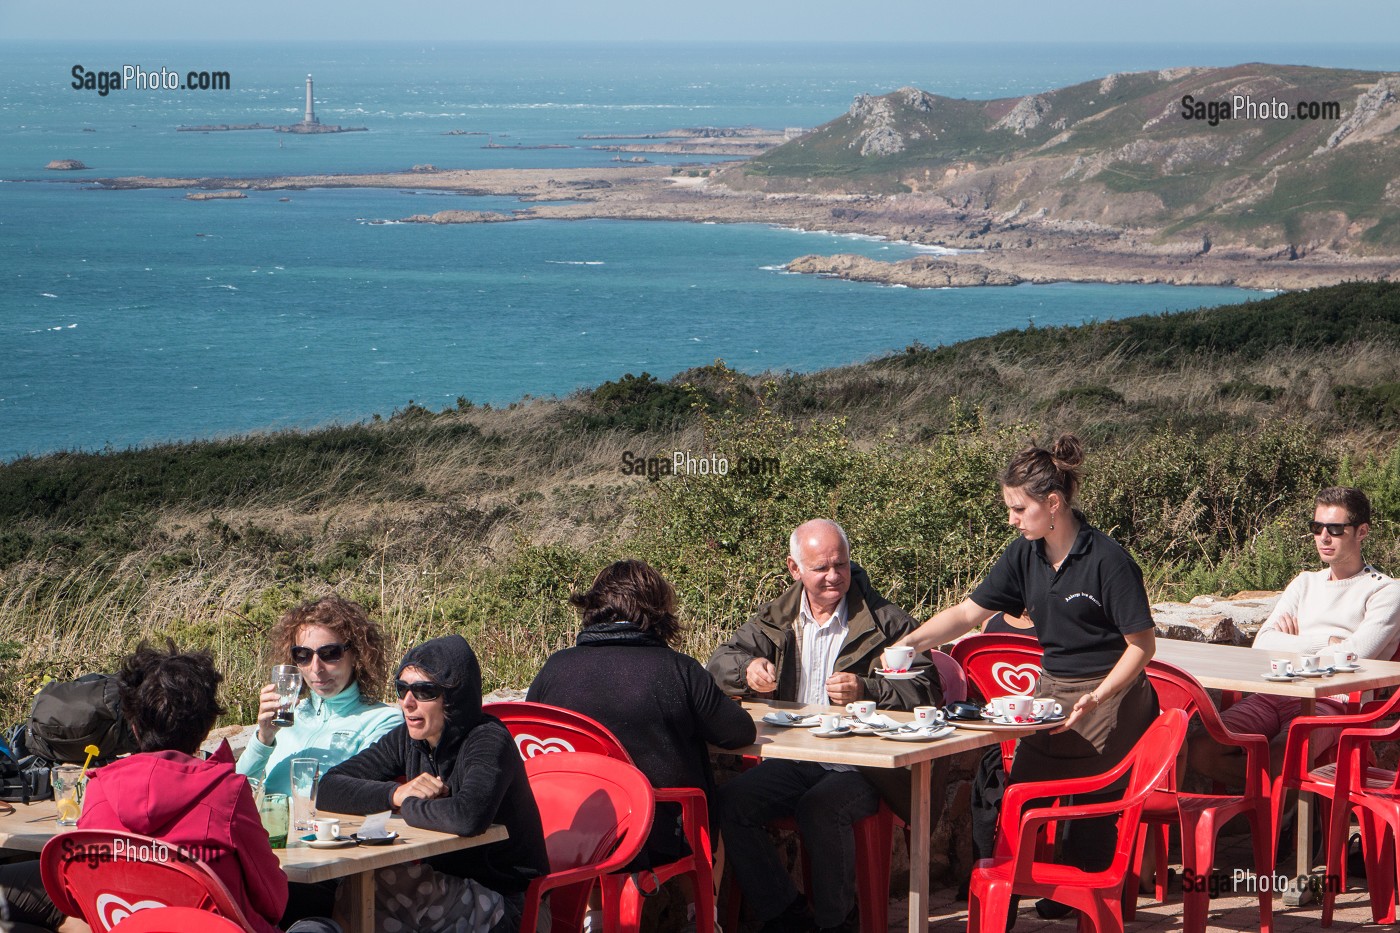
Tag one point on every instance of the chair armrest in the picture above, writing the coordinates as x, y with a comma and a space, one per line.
1034, 819
1294, 763
1018, 795
695, 816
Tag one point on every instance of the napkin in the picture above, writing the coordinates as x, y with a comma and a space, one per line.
374, 825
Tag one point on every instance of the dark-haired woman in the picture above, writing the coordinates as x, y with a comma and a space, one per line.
1085, 595
341, 655
201, 806
453, 768
662, 705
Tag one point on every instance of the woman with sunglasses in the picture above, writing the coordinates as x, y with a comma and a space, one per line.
450, 767
342, 659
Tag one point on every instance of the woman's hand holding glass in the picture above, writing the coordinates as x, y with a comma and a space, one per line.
268, 702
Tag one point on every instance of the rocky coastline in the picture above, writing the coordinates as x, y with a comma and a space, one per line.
1008, 249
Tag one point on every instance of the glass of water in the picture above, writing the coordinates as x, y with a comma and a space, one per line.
287, 679
306, 774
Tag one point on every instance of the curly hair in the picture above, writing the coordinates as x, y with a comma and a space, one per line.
1356, 503
631, 591
351, 624
169, 698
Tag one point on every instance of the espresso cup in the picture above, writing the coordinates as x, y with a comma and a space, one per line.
994, 708
928, 717
1280, 667
1310, 663
831, 722
897, 658
1043, 707
1018, 707
326, 830
861, 709
1345, 658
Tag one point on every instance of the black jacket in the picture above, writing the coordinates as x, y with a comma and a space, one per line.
478, 761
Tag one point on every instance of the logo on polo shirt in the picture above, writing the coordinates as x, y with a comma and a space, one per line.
1088, 596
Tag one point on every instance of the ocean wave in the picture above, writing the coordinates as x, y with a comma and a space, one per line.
47, 295
575, 262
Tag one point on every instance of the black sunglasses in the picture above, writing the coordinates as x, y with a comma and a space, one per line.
424, 691
327, 653
1335, 529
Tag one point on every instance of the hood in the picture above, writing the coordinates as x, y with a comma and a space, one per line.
450, 661
139, 788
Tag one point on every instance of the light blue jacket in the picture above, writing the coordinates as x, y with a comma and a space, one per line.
317, 719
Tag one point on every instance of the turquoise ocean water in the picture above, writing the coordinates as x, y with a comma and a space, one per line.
137, 316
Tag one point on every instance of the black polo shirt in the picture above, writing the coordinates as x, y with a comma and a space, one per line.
1081, 611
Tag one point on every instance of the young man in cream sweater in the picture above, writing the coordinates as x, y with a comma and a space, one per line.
1347, 606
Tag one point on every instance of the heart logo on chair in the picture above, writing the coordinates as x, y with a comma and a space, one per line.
530, 745
1016, 679
112, 909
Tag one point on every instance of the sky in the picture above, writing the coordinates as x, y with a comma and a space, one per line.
1058, 21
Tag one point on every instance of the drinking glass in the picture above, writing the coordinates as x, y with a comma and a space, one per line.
273, 811
306, 775
287, 679
67, 793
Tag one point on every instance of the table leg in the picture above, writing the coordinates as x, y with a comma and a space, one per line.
1296, 895
360, 898
919, 830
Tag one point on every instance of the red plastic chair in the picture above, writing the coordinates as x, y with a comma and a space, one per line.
596, 813
176, 920
1344, 784
539, 728
998, 665
1097, 895
1200, 816
88, 874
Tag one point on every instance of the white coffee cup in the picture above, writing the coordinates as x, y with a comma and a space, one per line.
326, 830
1345, 659
1018, 707
1044, 707
831, 722
928, 717
861, 709
994, 708
1310, 663
1280, 667
897, 658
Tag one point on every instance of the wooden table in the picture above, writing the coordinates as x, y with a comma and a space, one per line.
1225, 667
874, 752
29, 827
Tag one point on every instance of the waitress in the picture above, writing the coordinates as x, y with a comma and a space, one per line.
1085, 596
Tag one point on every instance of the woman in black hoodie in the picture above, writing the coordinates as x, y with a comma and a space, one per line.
462, 774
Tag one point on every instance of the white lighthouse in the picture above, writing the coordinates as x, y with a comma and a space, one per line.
310, 117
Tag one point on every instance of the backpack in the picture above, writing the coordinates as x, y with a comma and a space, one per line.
70, 715
23, 777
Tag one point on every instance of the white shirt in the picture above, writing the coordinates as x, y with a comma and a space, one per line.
818, 647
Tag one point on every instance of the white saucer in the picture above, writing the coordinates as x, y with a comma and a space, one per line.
341, 843
1346, 668
782, 719
919, 735
1279, 678
834, 733
1319, 673
896, 675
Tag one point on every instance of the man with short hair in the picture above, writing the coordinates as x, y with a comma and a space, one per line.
818, 643
1347, 606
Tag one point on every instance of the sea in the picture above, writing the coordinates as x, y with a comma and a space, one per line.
130, 318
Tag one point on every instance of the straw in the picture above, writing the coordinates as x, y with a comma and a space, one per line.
92, 752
